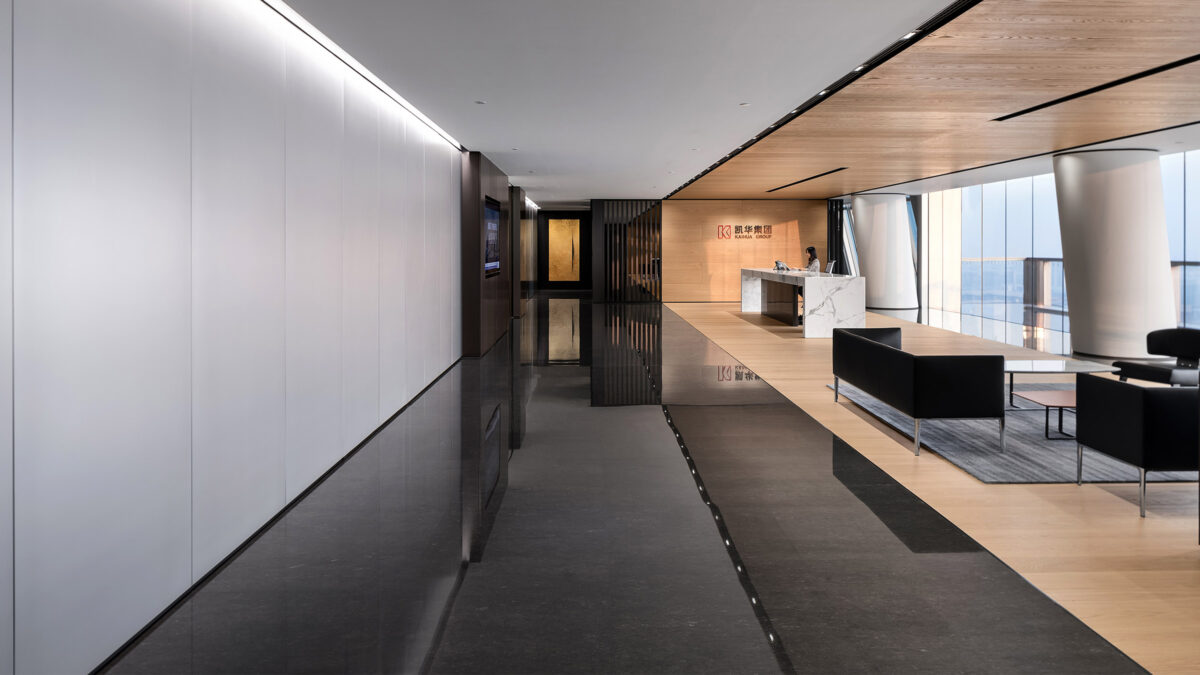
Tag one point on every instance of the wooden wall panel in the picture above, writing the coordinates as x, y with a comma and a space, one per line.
701, 262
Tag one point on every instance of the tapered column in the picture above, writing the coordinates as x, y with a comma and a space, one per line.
1116, 258
885, 250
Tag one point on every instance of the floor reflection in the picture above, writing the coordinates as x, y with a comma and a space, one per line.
353, 578
563, 328
854, 571
848, 567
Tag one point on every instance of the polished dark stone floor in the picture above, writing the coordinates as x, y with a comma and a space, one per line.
856, 573
353, 579
798, 555
603, 558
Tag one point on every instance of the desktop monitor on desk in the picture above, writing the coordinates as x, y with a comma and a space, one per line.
829, 267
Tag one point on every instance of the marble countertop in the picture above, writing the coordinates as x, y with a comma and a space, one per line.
789, 277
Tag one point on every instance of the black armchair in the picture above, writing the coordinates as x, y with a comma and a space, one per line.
1182, 343
1152, 428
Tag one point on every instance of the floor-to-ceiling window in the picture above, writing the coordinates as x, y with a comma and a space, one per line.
993, 256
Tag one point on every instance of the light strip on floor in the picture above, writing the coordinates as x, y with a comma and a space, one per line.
293, 17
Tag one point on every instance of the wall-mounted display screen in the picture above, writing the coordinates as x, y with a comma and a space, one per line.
491, 241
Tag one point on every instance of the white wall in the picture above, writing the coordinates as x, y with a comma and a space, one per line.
232, 259
6, 408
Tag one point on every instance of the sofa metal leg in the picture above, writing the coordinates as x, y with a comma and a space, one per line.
835, 389
1142, 491
1079, 463
1003, 436
917, 437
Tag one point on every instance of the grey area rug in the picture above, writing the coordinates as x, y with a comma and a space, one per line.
974, 445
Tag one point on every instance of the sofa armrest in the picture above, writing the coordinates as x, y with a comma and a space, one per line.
1110, 417
878, 369
959, 386
1148, 372
886, 336
1172, 429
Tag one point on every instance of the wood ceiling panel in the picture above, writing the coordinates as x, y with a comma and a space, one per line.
930, 109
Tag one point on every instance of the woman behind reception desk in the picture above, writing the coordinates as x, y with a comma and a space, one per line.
814, 264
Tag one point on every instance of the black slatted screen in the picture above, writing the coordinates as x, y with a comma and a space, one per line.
627, 250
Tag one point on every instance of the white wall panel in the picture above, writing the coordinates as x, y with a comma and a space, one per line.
437, 219
431, 280
6, 327
454, 258
419, 266
394, 192
102, 305
232, 258
360, 262
237, 274
314, 262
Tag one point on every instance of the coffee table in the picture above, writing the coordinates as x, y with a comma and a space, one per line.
1049, 366
1056, 398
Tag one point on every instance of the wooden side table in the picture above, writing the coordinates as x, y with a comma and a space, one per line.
1056, 398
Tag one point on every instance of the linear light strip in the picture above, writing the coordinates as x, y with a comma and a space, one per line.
1098, 88
293, 17
805, 180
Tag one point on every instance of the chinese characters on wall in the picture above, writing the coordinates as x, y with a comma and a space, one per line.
743, 232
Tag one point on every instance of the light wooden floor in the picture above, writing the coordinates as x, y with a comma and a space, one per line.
1134, 581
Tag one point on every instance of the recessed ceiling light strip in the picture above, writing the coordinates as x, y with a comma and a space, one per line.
805, 180
1101, 87
293, 17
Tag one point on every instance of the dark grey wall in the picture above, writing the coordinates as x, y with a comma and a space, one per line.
487, 352
487, 301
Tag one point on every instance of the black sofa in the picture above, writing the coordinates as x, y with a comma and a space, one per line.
922, 387
1182, 343
1152, 428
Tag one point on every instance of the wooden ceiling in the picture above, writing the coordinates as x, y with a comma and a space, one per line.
930, 109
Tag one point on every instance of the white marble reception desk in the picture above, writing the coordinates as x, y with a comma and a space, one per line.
830, 300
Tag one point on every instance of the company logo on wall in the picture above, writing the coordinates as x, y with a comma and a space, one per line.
743, 232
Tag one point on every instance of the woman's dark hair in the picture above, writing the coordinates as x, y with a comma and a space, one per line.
812, 250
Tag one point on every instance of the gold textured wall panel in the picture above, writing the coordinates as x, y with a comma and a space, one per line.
529, 249
563, 249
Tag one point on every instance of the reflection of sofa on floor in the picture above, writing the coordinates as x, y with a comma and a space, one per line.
1152, 428
922, 387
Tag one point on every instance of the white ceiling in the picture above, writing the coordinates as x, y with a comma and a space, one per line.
608, 98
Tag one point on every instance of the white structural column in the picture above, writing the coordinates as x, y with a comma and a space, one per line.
885, 250
1116, 257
